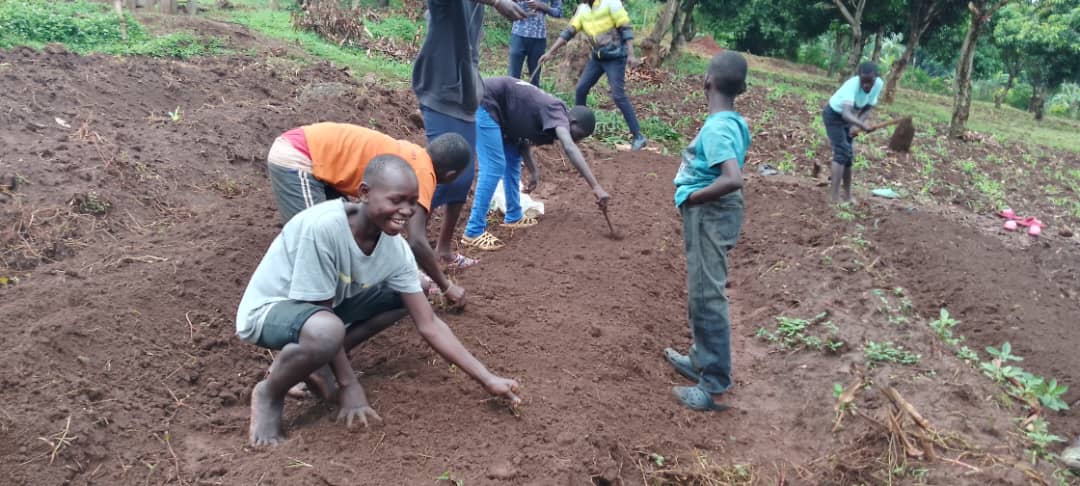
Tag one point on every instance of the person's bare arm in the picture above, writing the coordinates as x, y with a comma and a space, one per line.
428, 261
530, 164
507, 8
577, 159
849, 115
442, 339
730, 180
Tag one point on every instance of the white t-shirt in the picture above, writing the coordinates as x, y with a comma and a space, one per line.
315, 258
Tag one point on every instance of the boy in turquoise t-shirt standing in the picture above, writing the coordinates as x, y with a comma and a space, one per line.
709, 197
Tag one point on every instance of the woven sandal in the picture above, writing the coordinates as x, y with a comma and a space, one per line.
524, 222
485, 242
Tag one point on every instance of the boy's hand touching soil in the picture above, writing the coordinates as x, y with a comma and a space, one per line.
506, 388
354, 406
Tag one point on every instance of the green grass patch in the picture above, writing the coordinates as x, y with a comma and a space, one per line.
278, 25
397, 27
86, 27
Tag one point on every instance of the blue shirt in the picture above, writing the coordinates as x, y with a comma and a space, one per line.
535, 26
724, 137
851, 92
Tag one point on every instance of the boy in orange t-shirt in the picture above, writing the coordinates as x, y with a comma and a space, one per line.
313, 163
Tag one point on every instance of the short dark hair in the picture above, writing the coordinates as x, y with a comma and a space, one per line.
585, 119
728, 70
380, 168
448, 152
867, 69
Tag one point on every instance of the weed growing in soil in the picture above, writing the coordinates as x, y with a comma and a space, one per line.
887, 352
1038, 433
967, 354
91, 203
792, 333
944, 325
787, 166
446, 476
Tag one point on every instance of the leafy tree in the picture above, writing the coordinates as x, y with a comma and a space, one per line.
1045, 37
765, 27
922, 17
980, 12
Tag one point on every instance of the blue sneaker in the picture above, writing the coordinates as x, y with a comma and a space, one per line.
638, 143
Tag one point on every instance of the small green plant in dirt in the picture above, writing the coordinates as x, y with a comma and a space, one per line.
787, 166
447, 476
793, 333
846, 212
91, 203
967, 166
1038, 433
895, 305
175, 115
861, 163
944, 325
661, 131
887, 352
967, 354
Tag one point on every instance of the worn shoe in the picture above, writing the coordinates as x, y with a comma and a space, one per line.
682, 364
697, 399
638, 143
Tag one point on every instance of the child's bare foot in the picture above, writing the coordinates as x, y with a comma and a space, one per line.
265, 417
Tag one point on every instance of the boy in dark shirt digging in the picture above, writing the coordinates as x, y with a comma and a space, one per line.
513, 116
336, 275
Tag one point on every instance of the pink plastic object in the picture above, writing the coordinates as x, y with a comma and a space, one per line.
1010, 225
1035, 229
1007, 213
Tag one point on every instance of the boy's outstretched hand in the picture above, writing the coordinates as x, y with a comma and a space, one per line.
354, 406
505, 388
602, 198
509, 9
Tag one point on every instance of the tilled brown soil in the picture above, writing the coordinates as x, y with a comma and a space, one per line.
133, 237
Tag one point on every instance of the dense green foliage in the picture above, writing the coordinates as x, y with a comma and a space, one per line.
90, 27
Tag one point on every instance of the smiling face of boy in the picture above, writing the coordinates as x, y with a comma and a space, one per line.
391, 200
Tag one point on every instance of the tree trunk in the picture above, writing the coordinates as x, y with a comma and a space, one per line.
854, 19
878, 41
167, 6
892, 82
834, 61
118, 6
192, 7
650, 47
1038, 94
962, 91
682, 28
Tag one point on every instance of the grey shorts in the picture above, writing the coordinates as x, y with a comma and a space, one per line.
296, 190
285, 319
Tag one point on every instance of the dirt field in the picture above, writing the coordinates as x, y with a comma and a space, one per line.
133, 236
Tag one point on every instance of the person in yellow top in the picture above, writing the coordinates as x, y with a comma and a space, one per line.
611, 36
313, 163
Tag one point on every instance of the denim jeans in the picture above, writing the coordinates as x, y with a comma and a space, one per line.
839, 135
497, 161
529, 50
436, 124
709, 232
615, 70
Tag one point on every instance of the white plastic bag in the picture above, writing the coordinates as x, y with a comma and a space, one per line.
530, 207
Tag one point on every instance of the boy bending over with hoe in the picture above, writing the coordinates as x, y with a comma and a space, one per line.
513, 116
337, 274
709, 197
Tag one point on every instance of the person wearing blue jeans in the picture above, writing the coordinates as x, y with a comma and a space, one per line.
446, 81
846, 115
513, 116
499, 161
607, 26
708, 193
528, 37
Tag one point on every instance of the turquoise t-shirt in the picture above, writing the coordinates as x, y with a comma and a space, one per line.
851, 92
724, 136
